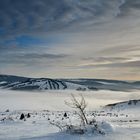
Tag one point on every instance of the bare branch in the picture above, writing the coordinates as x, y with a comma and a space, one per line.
57, 125
80, 106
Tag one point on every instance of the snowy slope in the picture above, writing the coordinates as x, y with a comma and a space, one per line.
44, 107
24, 83
131, 104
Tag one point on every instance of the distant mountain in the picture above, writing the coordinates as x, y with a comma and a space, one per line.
131, 104
103, 84
25, 83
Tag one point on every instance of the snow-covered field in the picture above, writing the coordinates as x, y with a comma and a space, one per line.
47, 106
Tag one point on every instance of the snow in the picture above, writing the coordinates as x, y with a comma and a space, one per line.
46, 106
3, 82
21, 100
40, 84
106, 83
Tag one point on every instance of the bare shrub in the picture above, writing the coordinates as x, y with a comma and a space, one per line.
80, 106
87, 126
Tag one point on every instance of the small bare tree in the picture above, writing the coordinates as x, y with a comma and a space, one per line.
87, 125
80, 105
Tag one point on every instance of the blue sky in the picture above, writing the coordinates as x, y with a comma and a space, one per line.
70, 38
25, 41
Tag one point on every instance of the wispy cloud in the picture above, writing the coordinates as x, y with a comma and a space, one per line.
70, 38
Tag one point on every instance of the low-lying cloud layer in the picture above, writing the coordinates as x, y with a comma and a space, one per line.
70, 38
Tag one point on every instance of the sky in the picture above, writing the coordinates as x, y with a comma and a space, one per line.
70, 38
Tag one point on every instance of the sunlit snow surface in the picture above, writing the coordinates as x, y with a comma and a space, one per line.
50, 104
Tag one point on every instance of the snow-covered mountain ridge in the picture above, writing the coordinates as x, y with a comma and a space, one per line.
25, 83
131, 104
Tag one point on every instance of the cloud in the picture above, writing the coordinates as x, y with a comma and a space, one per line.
79, 38
31, 58
112, 63
106, 59
20, 16
129, 7
48, 56
28, 17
